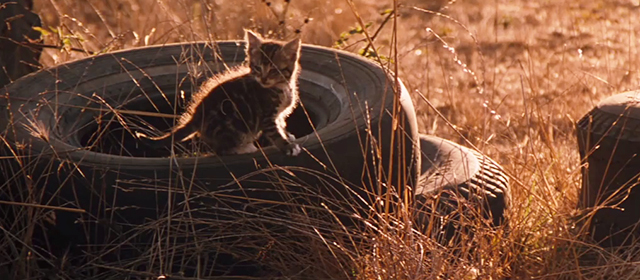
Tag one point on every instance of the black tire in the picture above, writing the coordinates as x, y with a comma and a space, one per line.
18, 58
609, 145
458, 183
118, 184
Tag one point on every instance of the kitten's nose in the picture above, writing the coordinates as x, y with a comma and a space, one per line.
264, 80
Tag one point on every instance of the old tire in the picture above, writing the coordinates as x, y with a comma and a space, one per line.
60, 123
609, 145
458, 186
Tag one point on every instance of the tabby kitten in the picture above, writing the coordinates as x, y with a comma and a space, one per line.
232, 110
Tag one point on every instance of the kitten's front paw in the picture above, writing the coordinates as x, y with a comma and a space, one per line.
293, 150
290, 137
287, 146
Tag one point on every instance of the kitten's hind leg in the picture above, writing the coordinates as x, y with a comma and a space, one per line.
230, 141
246, 149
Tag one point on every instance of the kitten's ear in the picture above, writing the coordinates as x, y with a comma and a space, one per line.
252, 38
292, 48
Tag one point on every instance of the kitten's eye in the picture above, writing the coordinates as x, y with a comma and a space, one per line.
285, 72
274, 72
255, 69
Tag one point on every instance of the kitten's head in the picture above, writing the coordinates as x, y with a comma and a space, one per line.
273, 64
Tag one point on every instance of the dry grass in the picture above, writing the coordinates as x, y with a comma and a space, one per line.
511, 76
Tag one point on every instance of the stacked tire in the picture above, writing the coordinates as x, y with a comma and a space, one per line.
608, 138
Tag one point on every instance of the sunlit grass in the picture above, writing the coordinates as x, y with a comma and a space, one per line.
508, 77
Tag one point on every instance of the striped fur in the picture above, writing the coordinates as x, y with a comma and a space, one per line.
231, 110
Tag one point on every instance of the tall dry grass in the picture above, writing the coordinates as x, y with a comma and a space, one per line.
510, 77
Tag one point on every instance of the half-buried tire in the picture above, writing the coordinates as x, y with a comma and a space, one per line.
459, 189
71, 128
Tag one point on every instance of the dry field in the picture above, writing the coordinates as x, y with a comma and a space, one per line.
510, 77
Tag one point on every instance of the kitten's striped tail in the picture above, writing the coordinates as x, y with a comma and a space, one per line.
165, 140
